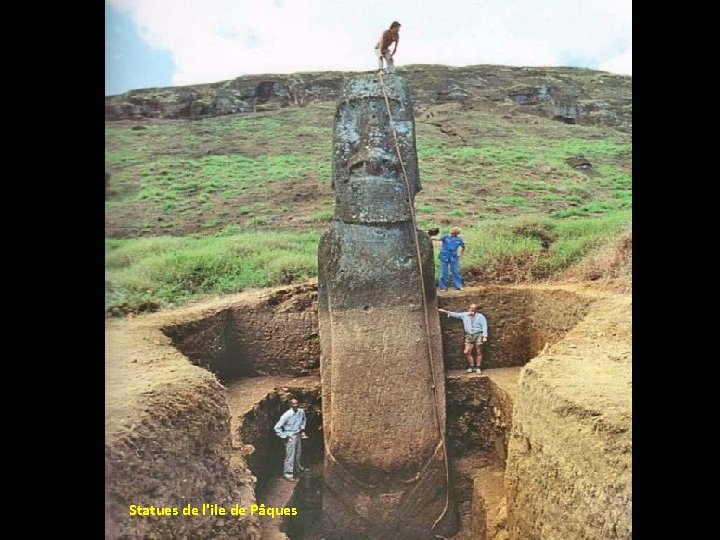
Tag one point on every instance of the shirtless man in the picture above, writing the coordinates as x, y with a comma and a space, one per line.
382, 47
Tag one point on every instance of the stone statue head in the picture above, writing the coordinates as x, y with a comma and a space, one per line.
367, 172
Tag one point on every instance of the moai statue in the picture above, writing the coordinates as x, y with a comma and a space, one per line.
383, 386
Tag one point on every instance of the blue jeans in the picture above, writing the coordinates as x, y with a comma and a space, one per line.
454, 265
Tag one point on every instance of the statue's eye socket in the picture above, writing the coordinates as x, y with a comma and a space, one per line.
357, 167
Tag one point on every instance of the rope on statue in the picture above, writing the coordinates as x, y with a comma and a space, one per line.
424, 299
355, 479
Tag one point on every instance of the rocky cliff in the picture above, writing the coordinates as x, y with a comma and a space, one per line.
570, 95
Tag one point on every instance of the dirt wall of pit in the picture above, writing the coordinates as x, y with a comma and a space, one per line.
256, 429
479, 415
268, 334
520, 321
167, 441
277, 333
569, 466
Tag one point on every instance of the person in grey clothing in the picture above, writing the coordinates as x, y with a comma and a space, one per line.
291, 428
476, 334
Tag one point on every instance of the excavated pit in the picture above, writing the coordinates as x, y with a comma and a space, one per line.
279, 334
266, 351
268, 451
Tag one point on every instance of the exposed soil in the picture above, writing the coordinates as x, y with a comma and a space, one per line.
158, 403
569, 469
167, 440
255, 404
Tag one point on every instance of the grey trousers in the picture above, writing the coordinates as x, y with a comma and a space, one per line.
293, 455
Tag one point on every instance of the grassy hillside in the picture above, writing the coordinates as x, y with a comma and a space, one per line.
218, 204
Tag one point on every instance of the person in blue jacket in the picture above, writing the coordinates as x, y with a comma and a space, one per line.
451, 250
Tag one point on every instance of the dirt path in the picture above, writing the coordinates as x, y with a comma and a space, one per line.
277, 495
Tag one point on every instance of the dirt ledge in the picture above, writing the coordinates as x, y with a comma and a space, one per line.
569, 467
167, 436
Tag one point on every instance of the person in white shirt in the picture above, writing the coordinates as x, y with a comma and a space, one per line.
476, 334
291, 428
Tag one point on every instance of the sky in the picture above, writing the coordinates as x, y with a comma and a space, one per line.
153, 43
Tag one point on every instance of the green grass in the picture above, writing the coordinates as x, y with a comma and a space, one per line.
323, 215
170, 270
247, 125
571, 240
224, 174
514, 201
187, 171
525, 172
265, 177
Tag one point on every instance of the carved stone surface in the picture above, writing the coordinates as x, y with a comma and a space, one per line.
381, 365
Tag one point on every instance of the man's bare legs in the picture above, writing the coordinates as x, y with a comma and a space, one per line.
473, 364
469, 355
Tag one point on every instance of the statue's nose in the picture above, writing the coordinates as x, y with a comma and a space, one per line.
378, 165
373, 163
